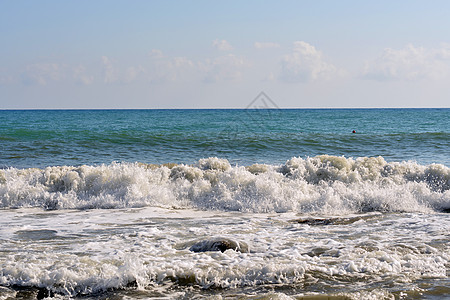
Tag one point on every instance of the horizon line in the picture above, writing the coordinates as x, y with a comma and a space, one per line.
223, 108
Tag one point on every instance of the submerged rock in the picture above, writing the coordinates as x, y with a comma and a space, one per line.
315, 222
219, 244
335, 220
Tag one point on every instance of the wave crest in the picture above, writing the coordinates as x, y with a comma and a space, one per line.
322, 184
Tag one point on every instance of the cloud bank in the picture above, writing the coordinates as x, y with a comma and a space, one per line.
222, 45
223, 68
43, 73
409, 63
303, 63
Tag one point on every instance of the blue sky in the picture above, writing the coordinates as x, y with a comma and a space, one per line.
221, 54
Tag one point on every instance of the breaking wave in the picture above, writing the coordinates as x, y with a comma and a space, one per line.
322, 184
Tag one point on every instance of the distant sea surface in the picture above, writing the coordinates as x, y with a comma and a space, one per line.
313, 204
243, 136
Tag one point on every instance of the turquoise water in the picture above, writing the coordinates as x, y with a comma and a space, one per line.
76, 137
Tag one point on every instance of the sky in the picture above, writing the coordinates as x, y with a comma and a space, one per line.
223, 54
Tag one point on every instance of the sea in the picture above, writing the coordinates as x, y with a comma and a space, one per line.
251, 203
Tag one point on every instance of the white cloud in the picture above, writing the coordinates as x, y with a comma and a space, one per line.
180, 62
46, 73
80, 75
156, 53
159, 68
170, 69
109, 72
132, 73
265, 45
121, 75
409, 63
165, 68
43, 73
222, 45
223, 68
305, 63
178, 68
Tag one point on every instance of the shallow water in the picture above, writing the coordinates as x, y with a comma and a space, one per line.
142, 253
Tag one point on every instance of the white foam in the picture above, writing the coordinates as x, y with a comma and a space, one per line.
322, 184
93, 251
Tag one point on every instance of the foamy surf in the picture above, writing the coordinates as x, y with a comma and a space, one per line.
147, 252
322, 185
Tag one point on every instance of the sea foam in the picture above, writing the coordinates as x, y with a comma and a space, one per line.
322, 184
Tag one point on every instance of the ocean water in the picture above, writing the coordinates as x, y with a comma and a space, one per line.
225, 204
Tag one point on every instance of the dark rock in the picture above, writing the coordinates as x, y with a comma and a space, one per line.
132, 284
334, 220
44, 293
219, 244
315, 222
